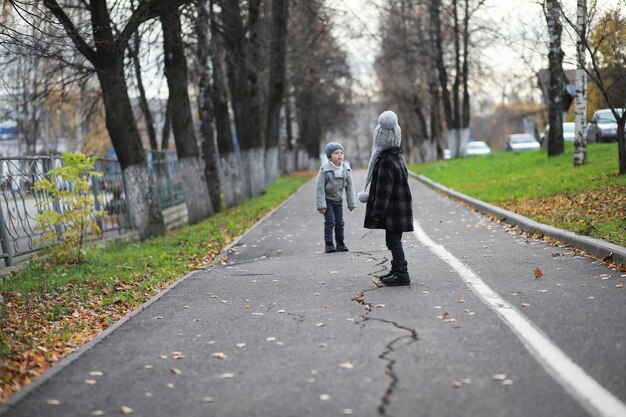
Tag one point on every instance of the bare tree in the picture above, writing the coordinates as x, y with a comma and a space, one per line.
320, 78
607, 69
277, 80
205, 102
105, 51
552, 11
240, 32
197, 197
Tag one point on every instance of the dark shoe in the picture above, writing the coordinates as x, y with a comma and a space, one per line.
341, 247
397, 279
330, 248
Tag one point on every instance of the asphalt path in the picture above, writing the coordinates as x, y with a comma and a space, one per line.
283, 329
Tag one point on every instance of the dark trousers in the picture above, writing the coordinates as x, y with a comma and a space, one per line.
333, 219
394, 244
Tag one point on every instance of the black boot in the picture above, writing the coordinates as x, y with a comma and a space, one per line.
393, 270
341, 247
330, 247
400, 276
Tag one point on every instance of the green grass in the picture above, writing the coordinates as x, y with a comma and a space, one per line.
589, 200
142, 266
503, 176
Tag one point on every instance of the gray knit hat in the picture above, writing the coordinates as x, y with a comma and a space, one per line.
332, 147
387, 134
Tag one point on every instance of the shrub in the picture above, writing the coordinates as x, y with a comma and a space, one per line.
65, 228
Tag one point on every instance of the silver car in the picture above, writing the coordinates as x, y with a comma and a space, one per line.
603, 126
519, 142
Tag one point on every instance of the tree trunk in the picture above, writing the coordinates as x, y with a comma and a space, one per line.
552, 11
580, 118
280, 14
197, 197
621, 143
120, 122
143, 101
465, 122
230, 164
205, 97
167, 123
242, 64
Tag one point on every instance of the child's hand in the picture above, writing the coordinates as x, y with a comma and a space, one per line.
322, 211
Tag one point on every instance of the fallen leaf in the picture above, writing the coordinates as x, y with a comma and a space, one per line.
219, 355
538, 273
159, 317
379, 306
499, 377
281, 311
175, 371
320, 324
347, 411
324, 397
525, 305
466, 380
507, 382
53, 402
96, 373
91, 381
208, 399
126, 410
346, 365
445, 314
456, 384
97, 413
323, 345
169, 385
619, 286
226, 375
240, 345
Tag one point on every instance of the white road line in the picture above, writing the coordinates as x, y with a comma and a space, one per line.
583, 388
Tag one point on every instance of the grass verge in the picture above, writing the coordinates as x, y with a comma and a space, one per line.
589, 200
48, 311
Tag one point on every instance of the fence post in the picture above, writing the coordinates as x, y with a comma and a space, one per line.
6, 245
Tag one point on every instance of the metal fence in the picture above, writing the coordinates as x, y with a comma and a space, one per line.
20, 203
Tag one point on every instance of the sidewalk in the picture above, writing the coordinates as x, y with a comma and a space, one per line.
283, 329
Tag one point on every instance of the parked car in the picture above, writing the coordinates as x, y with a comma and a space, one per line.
477, 147
569, 133
603, 126
519, 142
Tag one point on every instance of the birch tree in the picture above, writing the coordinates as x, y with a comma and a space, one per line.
580, 118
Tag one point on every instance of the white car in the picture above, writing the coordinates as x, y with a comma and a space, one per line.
569, 131
520, 142
477, 147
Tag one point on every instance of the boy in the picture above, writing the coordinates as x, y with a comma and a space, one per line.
333, 178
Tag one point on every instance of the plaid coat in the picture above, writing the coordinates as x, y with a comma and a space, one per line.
390, 205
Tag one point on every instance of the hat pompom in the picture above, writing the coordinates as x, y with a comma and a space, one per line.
388, 120
363, 196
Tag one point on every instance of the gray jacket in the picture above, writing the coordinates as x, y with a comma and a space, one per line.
329, 187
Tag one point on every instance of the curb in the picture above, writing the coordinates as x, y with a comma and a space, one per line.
596, 247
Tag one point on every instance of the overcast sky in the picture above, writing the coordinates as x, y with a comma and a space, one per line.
512, 61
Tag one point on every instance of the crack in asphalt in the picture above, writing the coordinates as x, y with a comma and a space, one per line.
391, 346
